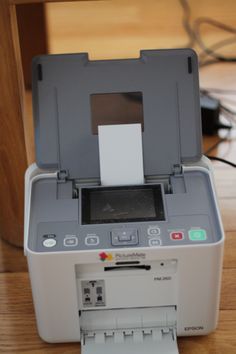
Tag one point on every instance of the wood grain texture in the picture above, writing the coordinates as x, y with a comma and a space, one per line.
19, 2
12, 143
222, 341
228, 298
121, 28
12, 259
29, 128
227, 207
230, 251
31, 26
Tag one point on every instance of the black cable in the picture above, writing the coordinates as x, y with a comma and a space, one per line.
221, 140
209, 62
186, 22
195, 36
217, 45
221, 160
223, 126
217, 90
210, 50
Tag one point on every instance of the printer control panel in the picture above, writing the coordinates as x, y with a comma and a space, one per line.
126, 217
178, 231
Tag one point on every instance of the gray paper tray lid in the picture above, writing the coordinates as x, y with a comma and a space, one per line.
62, 88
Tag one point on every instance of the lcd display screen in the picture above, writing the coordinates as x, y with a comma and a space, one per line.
116, 108
122, 204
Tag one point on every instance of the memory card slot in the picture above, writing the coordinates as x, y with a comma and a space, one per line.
127, 263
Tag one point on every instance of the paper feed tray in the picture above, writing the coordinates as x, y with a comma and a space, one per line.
73, 95
130, 331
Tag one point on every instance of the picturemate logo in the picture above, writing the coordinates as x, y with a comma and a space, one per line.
105, 256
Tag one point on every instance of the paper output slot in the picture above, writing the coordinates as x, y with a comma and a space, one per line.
128, 267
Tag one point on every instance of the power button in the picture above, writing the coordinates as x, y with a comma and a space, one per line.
49, 242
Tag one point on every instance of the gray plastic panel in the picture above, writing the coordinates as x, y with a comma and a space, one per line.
167, 345
130, 331
62, 85
194, 209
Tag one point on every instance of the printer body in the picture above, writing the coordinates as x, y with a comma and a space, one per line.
121, 267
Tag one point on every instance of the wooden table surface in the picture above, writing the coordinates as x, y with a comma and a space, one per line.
18, 333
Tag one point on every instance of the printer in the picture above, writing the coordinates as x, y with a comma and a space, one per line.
123, 234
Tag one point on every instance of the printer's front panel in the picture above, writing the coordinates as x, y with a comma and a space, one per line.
117, 217
127, 284
171, 261
68, 285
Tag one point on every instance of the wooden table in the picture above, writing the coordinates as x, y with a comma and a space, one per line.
18, 332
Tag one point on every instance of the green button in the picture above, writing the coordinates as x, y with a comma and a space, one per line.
197, 235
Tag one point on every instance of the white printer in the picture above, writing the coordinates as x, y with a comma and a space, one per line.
123, 234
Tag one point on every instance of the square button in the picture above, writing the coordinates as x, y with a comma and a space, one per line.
154, 242
176, 235
124, 237
91, 240
70, 241
197, 235
153, 231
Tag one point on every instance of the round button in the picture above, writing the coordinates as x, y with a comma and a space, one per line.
49, 242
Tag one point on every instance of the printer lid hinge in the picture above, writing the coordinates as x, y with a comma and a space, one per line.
177, 169
62, 176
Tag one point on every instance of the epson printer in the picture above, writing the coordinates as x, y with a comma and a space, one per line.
123, 234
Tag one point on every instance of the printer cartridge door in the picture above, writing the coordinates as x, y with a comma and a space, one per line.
129, 331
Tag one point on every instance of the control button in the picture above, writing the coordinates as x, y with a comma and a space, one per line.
153, 230
124, 237
177, 235
49, 242
70, 241
154, 242
49, 236
91, 240
197, 235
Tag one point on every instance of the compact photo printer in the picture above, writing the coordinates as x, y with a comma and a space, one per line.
123, 234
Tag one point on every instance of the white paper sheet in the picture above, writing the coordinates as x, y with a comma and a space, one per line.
121, 154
